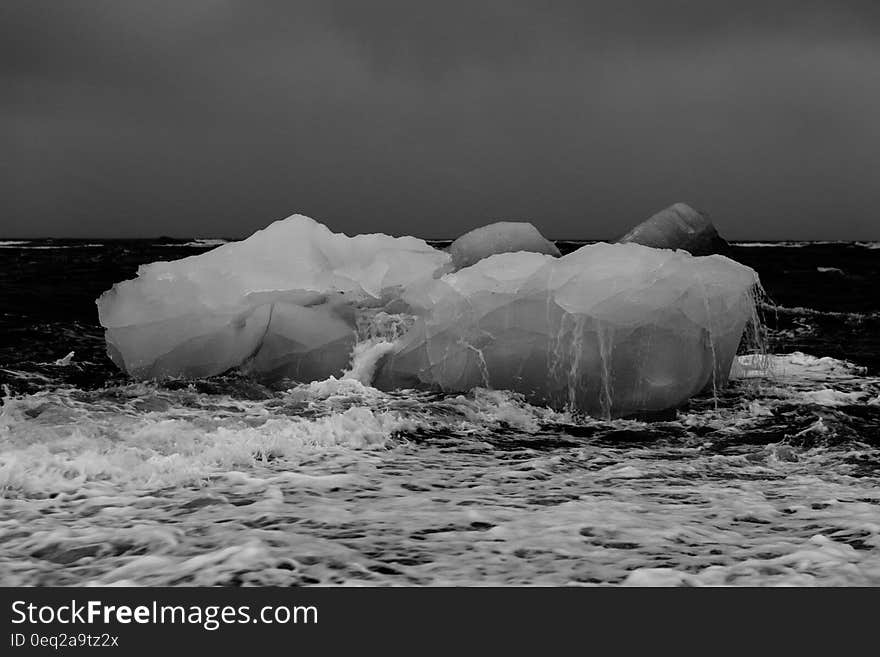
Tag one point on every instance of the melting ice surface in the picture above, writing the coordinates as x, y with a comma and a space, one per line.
281, 302
610, 329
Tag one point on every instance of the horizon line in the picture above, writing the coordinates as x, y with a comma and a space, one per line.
158, 238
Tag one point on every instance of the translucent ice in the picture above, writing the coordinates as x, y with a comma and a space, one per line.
280, 302
500, 237
611, 329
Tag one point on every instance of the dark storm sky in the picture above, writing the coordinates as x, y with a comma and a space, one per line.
215, 117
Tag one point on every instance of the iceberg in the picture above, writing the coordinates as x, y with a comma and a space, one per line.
678, 227
610, 330
280, 303
500, 237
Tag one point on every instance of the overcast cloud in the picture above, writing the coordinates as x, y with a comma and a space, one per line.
215, 117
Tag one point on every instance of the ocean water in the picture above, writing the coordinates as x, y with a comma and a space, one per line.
774, 481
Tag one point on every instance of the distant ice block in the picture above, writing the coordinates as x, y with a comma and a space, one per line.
500, 237
610, 329
678, 227
282, 302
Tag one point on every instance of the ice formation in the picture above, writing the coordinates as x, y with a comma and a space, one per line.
500, 237
282, 302
610, 329
678, 227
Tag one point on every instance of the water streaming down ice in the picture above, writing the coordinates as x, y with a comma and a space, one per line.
610, 329
377, 336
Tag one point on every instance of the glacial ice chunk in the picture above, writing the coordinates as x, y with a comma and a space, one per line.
678, 227
281, 302
500, 237
610, 329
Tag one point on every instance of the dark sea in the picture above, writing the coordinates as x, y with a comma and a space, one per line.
103, 480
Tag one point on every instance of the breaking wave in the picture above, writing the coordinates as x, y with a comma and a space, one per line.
813, 312
44, 247
803, 243
205, 242
768, 481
